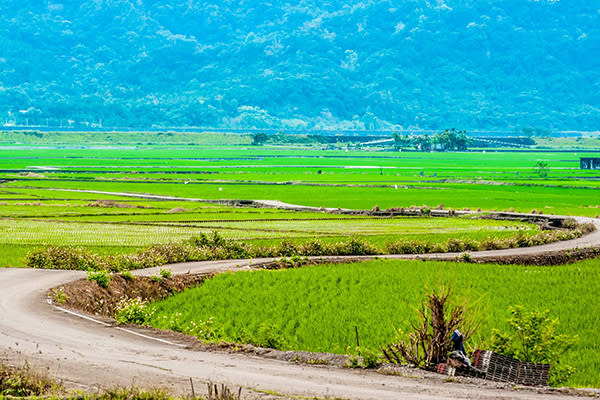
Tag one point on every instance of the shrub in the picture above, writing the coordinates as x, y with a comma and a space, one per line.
314, 247
287, 248
370, 358
206, 330
408, 247
102, 278
491, 243
430, 340
165, 273
59, 296
23, 382
63, 257
156, 278
133, 311
269, 335
533, 337
569, 223
127, 275
455, 245
355, 247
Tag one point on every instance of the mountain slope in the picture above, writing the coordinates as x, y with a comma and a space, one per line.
358, 64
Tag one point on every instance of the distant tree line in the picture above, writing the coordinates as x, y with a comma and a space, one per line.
448, 140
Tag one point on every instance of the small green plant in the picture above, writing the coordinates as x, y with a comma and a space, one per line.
533, 337
102, 277
466, 257
370, 358
156, 278
165, 273
23, 382
206, 330
127, 275
361, 358
269, 336
133, 311
353, 360
59, 296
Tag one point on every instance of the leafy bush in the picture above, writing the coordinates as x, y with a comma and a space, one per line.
269, 336
59, 296
23, 382
102, 277
408, 247
315, 247
206, 330
63, 257
355, 247
287, 248
133, 311
533, 337
127, 275
165, 273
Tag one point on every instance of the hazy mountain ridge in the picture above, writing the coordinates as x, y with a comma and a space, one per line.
362, 64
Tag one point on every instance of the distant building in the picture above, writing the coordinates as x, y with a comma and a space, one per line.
589, 163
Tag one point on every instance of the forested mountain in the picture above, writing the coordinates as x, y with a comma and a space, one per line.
368, 64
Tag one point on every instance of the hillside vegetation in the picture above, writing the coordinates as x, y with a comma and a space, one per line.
340, 64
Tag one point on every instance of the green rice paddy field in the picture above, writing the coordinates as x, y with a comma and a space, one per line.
34, 213
42, 202
316, 308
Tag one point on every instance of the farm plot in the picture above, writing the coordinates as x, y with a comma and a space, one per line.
316, 308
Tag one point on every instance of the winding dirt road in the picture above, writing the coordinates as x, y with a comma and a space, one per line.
88, 353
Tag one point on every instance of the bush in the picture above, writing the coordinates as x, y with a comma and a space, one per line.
165, 273
102, 278
430, 340
63, 257
455, 245
287, 248
269, 336
533, 337
59, 295
355, 247
315, 247
408, 247
127, 275
23, 382
133, 311
206, 330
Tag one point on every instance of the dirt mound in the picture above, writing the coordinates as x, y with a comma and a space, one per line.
176, 210
90, 298
31, 175
112, 204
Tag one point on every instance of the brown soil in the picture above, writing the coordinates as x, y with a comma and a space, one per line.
90, 298
550, 258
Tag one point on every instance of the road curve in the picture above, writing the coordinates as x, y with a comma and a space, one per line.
84, 352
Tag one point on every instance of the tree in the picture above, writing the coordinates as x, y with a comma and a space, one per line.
259, 138
422, 143
451, 140
401, 141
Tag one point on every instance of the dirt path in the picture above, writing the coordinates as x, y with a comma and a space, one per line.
88, 353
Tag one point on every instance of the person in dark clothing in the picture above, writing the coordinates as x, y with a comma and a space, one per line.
458, 350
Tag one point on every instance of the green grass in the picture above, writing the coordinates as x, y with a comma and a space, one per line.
316, 308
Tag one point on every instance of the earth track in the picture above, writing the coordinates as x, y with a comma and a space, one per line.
86, 353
